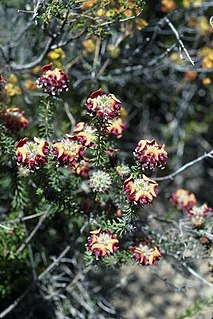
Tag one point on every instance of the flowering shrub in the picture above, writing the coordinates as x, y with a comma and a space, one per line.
86, 178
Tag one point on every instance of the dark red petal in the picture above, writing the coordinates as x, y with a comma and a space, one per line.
97, 93
46, 67
22, 142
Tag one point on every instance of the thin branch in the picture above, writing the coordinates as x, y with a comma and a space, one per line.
194, 273
5, 227
69, 115
30, 65
20, 219
178, 171
182, 46
115, 21
32, 234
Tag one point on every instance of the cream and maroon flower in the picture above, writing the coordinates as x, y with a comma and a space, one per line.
183, 199
82, 168
145, 255
150, 155
13, 118
116, 128
102, 243
140, 190
53, 81
100, 181
103, 105
68, 152
198, 214
32, 155
86, 134
202, 210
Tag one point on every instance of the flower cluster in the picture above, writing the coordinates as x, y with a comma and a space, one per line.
53, 81
183, 199
150, 154
195, 3
82, 168
13, 118
113, 8
116, 128
123, 170
103, 105
198, 214
207, 58
68, 152
145, 255
186, 201
102, 243
11, 87
140, 190
86, 134
100, 181
56, 54
32, 155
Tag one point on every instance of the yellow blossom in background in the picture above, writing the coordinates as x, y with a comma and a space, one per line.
175, 58
89, 45
36, 69
56, 54
201, 24
141, 23
88, 4
168, 5
204, 26
12, 89
206, 81
12, 79
113, 50
30, 85
188, 3
207, 55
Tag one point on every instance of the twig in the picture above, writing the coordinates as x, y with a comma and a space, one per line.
182, 46
20, 219
32, 234
54, 264
194, 273
19, 67
5, 227
178, 171
69, 115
